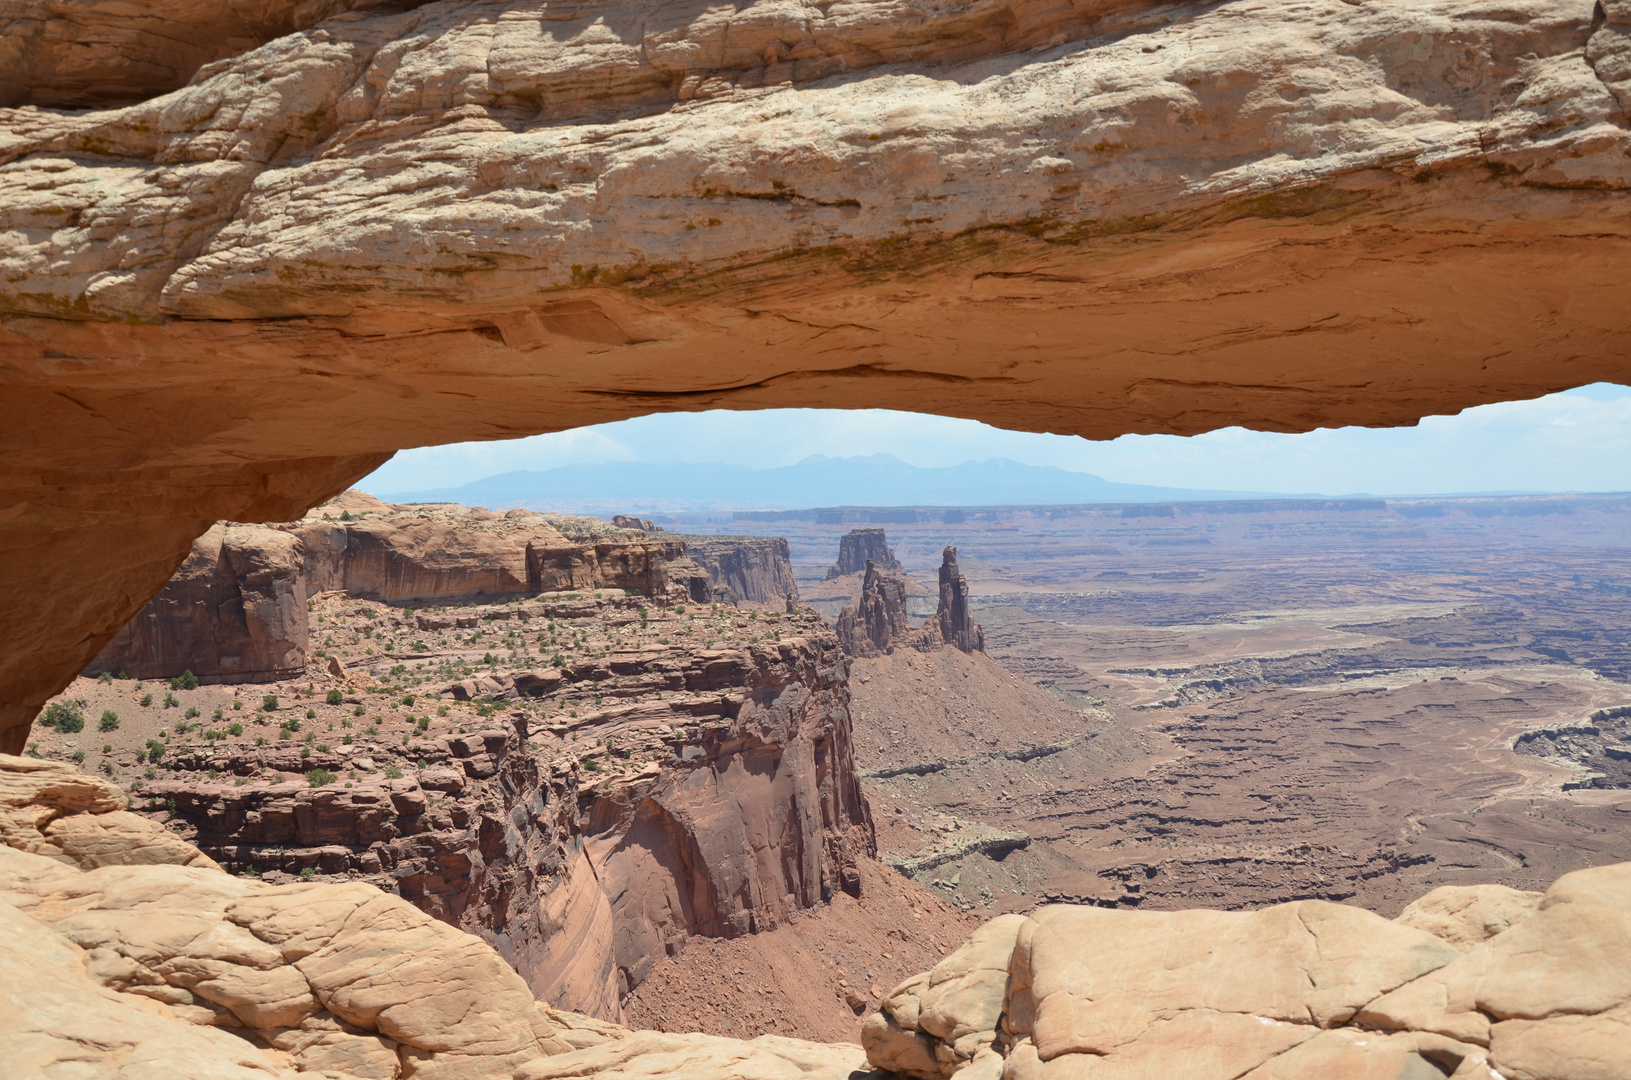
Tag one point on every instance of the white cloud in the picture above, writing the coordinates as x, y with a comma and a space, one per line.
1575, 441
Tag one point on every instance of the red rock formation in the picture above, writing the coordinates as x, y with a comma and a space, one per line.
235, 611
952, 624
1417, 209
405, 553
877, 624
754, 569
858, 547
714, 794
877, 621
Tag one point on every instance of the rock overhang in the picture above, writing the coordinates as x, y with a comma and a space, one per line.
469, 221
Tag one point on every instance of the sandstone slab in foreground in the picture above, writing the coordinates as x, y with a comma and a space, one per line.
1474, 981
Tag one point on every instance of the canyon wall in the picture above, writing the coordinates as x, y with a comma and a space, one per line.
622, 804
756, 569
398, 226
234, 612
410, 553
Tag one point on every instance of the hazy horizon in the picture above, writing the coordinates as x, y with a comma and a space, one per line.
1575, 441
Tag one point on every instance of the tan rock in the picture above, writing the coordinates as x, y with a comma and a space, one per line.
1572, 956
235, 609
120, 838
1465, 915
1565, 1047
647, 1055
59, 1022
50, 808
221, 303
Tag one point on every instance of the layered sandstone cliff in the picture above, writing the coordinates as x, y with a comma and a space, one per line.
138, 961
637, 776
235, 611
163, 965
400, 225
414, 553
754, 569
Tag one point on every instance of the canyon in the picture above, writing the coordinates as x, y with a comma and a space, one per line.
423, 766
1237, 704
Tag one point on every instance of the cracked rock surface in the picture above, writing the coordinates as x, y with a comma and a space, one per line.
235, 278
1470, 981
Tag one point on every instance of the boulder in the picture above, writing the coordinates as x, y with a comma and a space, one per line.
1479, 982
51, 809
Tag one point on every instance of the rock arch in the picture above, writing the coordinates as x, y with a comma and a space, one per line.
403, 225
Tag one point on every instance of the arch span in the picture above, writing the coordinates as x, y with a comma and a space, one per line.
467, 220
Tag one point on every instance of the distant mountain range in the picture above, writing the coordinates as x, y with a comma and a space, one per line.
878, 480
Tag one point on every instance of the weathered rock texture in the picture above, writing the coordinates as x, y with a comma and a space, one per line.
50, 809
754, 569
127, 971
953, 624
485, 219
1476, 981
859, 549
877, 624
410, 553
235, 611
877, 621
646, 793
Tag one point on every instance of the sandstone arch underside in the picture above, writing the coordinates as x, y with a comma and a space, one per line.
229, 290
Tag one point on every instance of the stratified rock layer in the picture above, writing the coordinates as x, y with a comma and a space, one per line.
755, 569
485, 219
877, 624
858, 549
235, 611
667, 791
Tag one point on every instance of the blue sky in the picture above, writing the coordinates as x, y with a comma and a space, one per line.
1579, 440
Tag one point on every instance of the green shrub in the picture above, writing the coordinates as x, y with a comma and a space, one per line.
307, 874
319, 777
109, 721
305, 752
407, 700
346, 738
104, 678
64, 717
311, 714
358, 711
393, 773
155, 750
78, 756
335, 697
185, 681
235, 729
171, 701
269, 702
192, 711
147, 701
